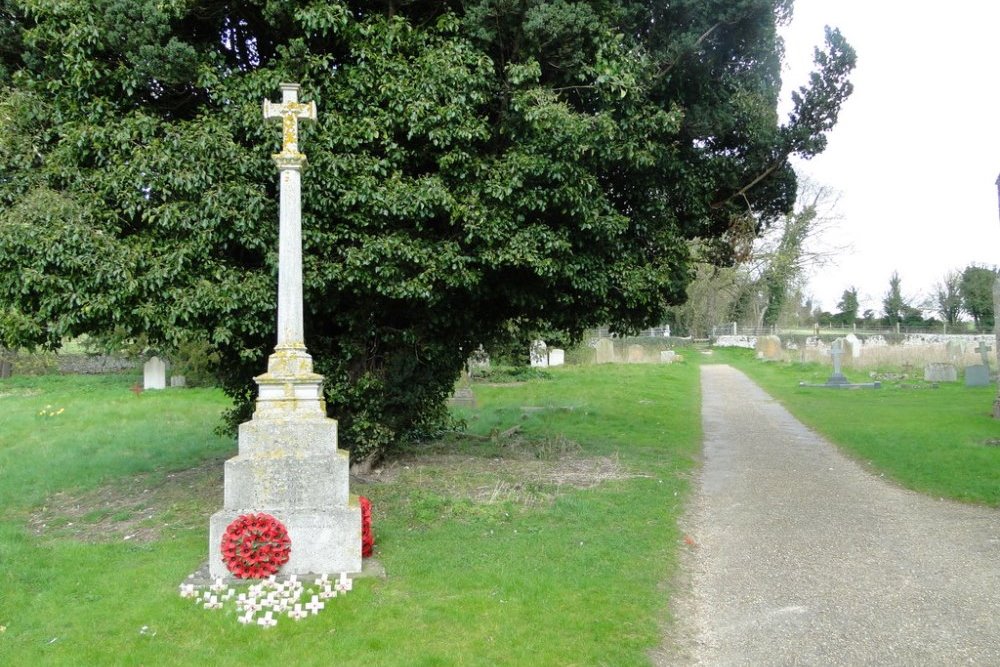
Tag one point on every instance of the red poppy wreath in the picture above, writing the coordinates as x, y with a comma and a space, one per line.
254, 546
367, 541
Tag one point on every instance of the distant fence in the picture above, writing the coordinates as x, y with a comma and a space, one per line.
655, 332
735, 329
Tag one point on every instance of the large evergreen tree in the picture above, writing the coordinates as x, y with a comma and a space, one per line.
894, 304
480, 169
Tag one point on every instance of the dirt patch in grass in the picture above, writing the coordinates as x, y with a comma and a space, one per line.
145, 507
20, 392
138, 509
521, 472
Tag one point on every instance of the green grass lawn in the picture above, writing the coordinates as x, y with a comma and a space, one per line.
941, 441
552, 543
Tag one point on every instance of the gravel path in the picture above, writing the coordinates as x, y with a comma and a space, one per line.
804, 558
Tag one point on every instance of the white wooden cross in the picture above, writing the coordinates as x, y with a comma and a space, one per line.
315, 605
267, 621
297, 612
344, 584
290, 111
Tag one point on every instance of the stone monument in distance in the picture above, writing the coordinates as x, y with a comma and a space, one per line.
288, 464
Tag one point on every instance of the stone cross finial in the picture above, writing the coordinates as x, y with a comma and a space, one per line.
290, 110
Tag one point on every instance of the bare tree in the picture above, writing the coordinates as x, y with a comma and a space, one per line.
947, 299
781, 257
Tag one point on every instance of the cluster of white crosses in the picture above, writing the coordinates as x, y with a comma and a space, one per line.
265, 602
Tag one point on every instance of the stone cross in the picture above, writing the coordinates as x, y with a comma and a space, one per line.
836, 351
289, 464
982, 350
290, 163
290, 110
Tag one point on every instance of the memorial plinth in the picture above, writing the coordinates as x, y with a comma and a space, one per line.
288, 464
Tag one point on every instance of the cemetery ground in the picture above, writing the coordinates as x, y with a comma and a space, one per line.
936, 438
547, 534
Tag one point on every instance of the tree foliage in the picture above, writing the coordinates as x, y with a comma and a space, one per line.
848, 306
976, 288
479, 170
947, 298
894, 304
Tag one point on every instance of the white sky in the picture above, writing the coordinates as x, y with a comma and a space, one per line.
916, 152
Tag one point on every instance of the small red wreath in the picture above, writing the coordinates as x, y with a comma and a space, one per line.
254, 546
367, 541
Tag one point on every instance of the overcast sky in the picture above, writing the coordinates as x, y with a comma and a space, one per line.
916, 152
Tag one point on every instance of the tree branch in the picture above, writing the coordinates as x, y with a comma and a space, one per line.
742, 191
669, 66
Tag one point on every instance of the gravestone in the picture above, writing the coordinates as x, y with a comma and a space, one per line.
605, 349
977, 376
6, 369
478, 359
178, 381
768, 348
983, 350
636, 355
154, 374
668, 357
855, 345
956, 350
837, 351
463, 395
538, 354
289, 465
557, 357
940, 373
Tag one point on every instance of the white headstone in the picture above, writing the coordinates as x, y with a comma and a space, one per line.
538, 354
154, 374
855, 344
668, 357
178, 381
636, 354
557, 357
605, 349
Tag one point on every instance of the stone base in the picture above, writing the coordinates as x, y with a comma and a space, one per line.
326, 541
837, 379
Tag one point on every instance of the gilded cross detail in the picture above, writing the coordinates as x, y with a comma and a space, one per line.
290, 111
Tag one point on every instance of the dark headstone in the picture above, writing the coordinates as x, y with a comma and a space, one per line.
977, 376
